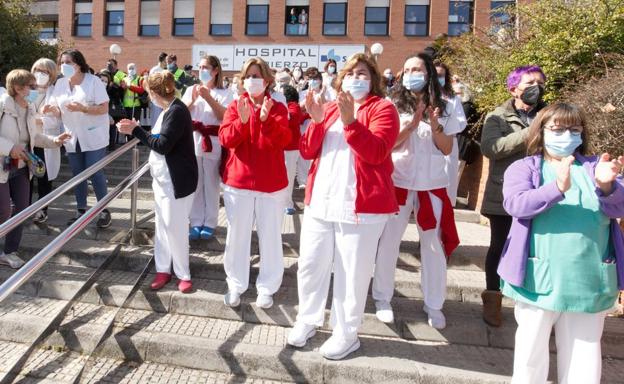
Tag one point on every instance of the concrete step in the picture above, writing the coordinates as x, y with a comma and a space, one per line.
464, 324
260, 350
49, 366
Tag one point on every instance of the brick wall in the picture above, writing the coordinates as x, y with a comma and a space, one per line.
144, 50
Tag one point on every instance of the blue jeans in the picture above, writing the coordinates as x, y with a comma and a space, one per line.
79, 161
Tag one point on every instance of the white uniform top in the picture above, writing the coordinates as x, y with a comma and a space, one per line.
51, 127
334, 192
418, 163
201, 111
158, 165
91, 131
2, 91
156, 69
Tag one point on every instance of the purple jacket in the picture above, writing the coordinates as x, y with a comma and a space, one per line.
524, 199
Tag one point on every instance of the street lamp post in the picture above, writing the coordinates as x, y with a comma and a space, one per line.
115, 50
376, 49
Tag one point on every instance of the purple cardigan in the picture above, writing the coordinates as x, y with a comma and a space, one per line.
524, 199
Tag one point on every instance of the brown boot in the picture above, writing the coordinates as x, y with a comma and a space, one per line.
492, 303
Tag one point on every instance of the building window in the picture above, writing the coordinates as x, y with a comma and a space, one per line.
297, 17
83, 18
501, 15
48, 29
114, 18
376, 21
257, 20
335, 19
183, 17
150, 18
417, 18
221, 18
460, 17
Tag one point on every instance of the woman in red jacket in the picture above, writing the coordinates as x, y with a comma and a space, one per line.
349, 198
255, 133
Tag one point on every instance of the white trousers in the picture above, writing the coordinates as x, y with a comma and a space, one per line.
303, 166
205, 212
452, 170
577, 335
242, 208
291, 169
171, 243
350, 250
432, 257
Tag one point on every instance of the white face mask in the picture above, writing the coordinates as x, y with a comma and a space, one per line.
297, 74
42, 79
359, 89
255, 87
132, 72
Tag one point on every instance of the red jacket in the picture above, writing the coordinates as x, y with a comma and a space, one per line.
255, 158
371, 138
294, 123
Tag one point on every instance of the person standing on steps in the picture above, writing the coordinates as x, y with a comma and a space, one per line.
428, 124
254, 132
81, 101
564, 257
45, 72
174, 172
19, 134
160, 67
291, 152
349, 197
503, 142
207, 102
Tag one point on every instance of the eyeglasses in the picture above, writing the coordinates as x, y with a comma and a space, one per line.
558, 130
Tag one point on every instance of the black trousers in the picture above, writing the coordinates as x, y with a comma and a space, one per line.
44, 186
499, 229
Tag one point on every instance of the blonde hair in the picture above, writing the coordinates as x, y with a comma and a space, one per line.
265, 70
162, 84
47, 65
352, 62
559, 113
18, 78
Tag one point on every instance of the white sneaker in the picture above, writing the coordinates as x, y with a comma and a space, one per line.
384, 311
12, 260
264, 301
337, 348
435, 317
300, 333
232, 299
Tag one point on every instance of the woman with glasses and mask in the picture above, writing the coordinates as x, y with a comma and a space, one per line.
349, 198
207, 102
428, 125
503, 142
564, 258
19, 134
254, 132
81, 102
45, 73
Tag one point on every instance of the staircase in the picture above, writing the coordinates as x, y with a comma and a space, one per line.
169, 337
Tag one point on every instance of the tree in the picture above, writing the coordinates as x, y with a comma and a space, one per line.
20, 46
572, 40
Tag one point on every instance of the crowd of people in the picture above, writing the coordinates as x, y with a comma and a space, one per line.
371, 148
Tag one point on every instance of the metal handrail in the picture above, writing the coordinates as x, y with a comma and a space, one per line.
22, 216
33, 265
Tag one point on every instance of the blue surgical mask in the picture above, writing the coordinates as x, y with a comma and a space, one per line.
414, 81
205, 76
562, 145
32, 96
359, 89
442, 81
67, 70
314, 84
331, 70
171, 67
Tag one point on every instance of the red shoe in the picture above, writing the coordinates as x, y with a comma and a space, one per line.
160, 280
185, 286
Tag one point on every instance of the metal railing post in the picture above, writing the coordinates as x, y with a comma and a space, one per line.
134, 191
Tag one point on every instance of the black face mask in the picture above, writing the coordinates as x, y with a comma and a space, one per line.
532, 95
110, 68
